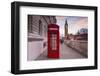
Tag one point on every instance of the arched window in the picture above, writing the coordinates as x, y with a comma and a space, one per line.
40, 27
45, 30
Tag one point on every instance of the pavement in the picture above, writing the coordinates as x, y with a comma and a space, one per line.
65, 53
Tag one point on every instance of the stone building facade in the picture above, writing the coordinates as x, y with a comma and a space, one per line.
37, 34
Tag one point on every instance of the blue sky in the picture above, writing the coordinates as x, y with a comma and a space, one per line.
75, 23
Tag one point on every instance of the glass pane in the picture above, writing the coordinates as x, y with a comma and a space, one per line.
53, 42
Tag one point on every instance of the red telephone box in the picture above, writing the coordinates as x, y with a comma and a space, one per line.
53, 41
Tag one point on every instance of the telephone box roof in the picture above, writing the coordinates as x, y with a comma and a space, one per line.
53, 26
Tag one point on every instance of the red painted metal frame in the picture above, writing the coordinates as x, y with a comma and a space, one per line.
53, 53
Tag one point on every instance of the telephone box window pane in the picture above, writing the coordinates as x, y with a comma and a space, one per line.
53, 42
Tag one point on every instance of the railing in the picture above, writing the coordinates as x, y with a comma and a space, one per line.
80, 46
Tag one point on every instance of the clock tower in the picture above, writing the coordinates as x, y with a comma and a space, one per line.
66, 28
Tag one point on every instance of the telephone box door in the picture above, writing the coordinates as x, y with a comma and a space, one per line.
53, 41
